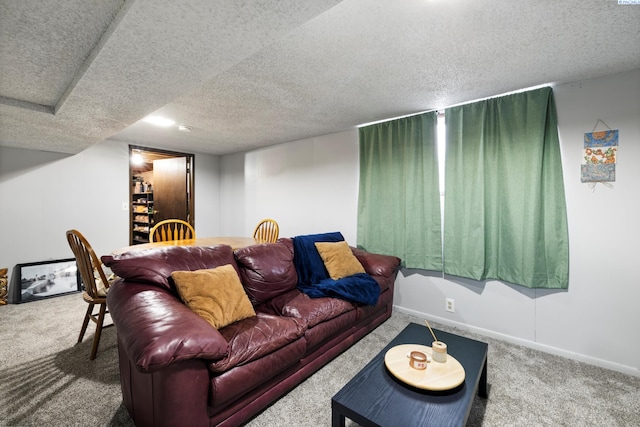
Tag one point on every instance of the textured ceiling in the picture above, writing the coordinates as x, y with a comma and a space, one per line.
245, 74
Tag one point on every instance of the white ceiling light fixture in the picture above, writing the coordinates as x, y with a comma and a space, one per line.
159, 121
137, 159
185, 128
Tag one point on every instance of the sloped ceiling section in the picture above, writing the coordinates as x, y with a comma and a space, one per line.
76, 72
247, 74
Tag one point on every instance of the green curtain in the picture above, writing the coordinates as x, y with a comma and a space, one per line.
505, 215
399, 198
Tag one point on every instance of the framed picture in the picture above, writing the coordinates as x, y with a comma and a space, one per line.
48, 279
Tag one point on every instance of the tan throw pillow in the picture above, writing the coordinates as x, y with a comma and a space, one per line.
215, 294
338, 259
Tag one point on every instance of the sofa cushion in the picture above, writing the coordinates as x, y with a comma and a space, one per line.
266, 270
288, 242
156, 265
255, 337
241, 380
299, 305
215, 294
338, 259
330, 330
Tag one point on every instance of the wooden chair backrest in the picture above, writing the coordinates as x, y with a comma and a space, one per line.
171, 229
88, 262
267, 231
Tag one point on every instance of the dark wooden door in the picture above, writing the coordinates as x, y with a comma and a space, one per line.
171, 189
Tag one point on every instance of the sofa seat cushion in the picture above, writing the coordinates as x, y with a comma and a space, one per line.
329, 329
254, 337
369, 311
266, 270
312, 310
156, 265
236, 382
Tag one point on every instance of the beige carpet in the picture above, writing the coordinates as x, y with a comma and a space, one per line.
46, 379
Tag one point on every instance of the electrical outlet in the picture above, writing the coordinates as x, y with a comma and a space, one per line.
449, 305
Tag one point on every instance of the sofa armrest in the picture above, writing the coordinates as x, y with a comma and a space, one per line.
157, 329
376, 264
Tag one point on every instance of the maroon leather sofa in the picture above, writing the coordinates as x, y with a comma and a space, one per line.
177, 370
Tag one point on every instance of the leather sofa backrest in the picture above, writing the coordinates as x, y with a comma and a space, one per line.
155, 266
266, 270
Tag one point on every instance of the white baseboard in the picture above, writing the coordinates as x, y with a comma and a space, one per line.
629, 370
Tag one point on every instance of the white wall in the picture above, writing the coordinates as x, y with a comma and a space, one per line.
43, 194
312, 186
306, 186
207, 194
604, 229
232, 209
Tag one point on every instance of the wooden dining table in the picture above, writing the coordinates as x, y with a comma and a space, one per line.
234, 242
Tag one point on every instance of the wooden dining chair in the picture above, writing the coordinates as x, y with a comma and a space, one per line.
267, 231
95, 283
171, 229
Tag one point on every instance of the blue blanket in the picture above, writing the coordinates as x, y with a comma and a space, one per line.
314, 280
307, 260
360, 288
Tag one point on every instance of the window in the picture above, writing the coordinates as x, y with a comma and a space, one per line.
399, 198
504, 208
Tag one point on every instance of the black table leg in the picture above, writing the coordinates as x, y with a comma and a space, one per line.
482, 387
337, 419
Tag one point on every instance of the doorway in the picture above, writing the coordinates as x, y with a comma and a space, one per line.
161, 188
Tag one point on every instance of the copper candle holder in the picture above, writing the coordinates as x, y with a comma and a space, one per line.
418, 360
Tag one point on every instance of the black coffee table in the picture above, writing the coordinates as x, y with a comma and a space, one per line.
374, 397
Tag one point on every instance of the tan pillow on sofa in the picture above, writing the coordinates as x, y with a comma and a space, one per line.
338, 259
215, 294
